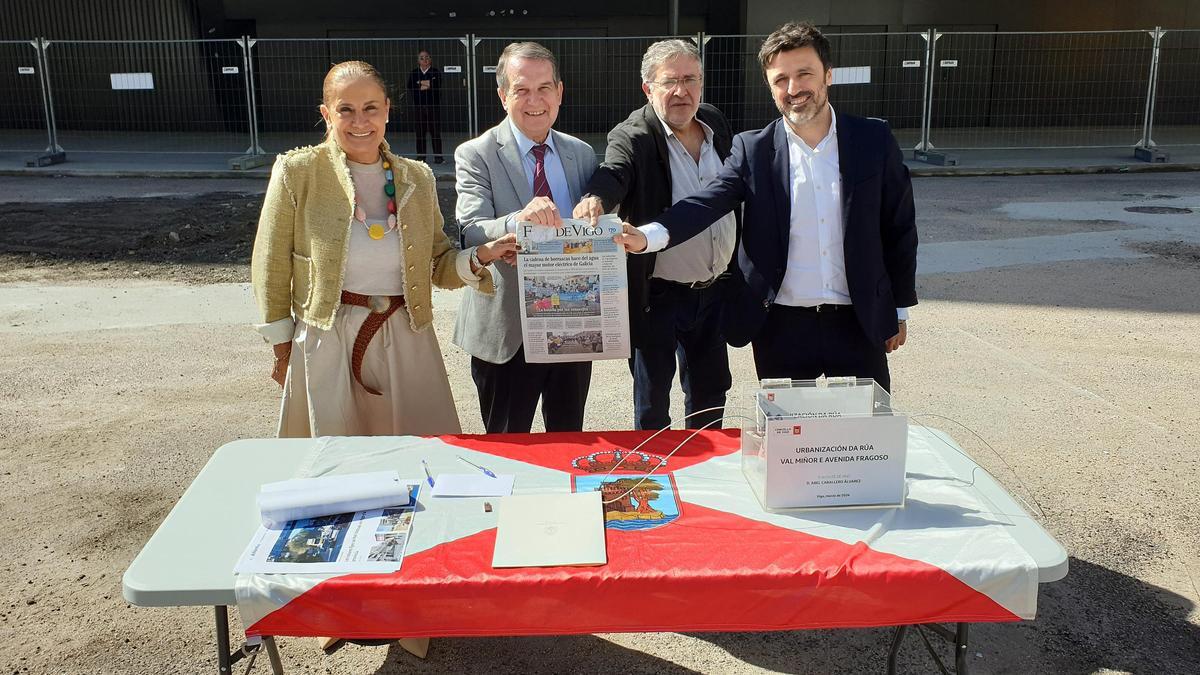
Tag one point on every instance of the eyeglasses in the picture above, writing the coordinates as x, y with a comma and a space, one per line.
689, 82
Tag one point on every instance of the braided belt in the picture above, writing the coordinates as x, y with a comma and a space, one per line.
382, 307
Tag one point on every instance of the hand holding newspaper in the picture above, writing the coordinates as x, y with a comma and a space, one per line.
574, 293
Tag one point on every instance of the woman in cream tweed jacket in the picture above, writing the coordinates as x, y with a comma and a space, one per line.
313, 258
300, 256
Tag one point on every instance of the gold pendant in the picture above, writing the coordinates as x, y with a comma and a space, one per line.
376, 231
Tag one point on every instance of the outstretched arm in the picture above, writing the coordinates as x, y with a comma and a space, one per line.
611, 181
692, 215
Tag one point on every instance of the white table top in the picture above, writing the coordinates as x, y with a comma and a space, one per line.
1050, 556
178, 568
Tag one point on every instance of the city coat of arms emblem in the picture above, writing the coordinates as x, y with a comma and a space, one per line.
631, 501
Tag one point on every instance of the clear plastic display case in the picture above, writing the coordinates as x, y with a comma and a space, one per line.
827, 443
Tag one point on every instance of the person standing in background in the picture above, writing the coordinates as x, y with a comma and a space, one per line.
424, 87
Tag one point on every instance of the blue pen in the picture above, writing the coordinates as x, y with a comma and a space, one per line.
427, 476
485, 471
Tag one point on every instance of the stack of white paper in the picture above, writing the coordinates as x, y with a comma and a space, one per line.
472, 485
314, 497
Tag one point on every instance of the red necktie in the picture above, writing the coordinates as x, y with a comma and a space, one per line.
541, 185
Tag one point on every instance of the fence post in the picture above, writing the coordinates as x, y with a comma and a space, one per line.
925, 152
251, 87
926, 85
474, 84
469, 43
255, 156
54, 153
701, 41
1146, 150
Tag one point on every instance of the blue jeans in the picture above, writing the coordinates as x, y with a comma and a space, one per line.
685, 325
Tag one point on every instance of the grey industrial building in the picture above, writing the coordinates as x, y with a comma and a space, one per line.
189, 19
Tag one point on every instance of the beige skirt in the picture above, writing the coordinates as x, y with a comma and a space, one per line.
321, 398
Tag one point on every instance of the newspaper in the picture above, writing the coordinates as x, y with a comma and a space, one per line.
575, 297
364, 541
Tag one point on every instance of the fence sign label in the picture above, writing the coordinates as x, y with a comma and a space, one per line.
910, 64
451, 69
852, 75
229, 70
949, 63
25, 70
489, 69
132, 80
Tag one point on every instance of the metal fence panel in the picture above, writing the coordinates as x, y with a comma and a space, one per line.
156, 96
289, 75
885, 73
1177, 106
601, 82
1037, 90
733, 81
987, 90
22, 115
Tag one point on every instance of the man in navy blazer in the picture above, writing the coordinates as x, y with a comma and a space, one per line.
828, 251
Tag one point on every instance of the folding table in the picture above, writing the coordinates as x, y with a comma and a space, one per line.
699, 554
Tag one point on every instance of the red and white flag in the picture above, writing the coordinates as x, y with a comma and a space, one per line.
689, 550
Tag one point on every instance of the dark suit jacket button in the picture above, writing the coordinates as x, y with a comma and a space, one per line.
766, 303
647, 310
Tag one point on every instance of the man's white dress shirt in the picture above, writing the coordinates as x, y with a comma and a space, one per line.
707, 254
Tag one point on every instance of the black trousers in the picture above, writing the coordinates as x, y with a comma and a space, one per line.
427, 123
804, 344
684, 326
509, 392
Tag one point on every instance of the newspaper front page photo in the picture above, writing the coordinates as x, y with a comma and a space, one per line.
575, 296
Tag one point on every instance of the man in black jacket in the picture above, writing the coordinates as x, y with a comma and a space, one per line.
662, 153
424, 86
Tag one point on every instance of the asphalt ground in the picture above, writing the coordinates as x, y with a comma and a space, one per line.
1055, 323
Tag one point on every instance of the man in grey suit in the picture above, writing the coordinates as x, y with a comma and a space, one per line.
519, 170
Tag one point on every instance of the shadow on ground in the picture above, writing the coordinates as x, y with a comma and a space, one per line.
555, 654
1095, 619
1147, 284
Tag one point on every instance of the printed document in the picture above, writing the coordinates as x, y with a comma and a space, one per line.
472, 485
574, 294
313, 497
364, 541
